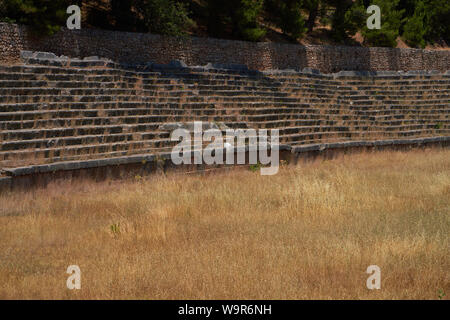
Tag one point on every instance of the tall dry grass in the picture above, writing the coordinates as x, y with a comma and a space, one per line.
308, 232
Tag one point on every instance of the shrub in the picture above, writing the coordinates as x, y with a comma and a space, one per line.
165, 16
245, 19
236, 16
436, 20
414, 31
290, 18
391, 21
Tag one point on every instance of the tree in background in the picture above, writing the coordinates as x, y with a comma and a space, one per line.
45, 16
437, 20
236, 16
245, 18
5, 12
166, 17
124, 19
391, 22
339, 21
414, 30
313, 8
418, 21
219, 17
288, 16
426, 21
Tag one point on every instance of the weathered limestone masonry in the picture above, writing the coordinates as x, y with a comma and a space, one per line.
141, 48
65, 117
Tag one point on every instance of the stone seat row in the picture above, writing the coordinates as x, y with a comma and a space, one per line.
16, 99
143, 114
137, 147
286, 137
69, 137
202, 72
365, 95
41, 69
244, 107
155, 112
267, 120
287, 124
264, 120
160, 80
168, 85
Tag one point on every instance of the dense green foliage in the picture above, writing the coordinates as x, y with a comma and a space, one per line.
418, 22
414, 30
164, 16
46, 16
239, 17
391, 21
288, 16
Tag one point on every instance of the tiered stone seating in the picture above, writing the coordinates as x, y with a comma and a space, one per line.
51, 114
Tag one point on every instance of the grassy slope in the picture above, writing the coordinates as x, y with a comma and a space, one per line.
308, 232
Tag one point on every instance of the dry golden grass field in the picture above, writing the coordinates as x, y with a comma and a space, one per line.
309, 232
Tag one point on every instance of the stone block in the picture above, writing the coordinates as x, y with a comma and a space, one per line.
44, 55
26, 54
309, 70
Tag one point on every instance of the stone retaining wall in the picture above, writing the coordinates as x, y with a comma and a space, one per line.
141, 48
41, 176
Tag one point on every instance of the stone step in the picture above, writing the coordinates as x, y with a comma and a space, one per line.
49, 133
295, 139
94, 113
364, 128
173, 104
157, 114
298, 148
77, 71
441, 98
11, 99
202, 72
41, 69
266, 120
29, 158
98, 150
405, 111
78, 140
390, 108
86, 151
10, 120
350, 123
164, 84
77, 81
7, 101
45, 138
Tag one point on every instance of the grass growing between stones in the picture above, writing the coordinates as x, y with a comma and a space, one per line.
310, 231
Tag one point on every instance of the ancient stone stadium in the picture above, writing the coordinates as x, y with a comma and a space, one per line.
61, 116
93, 206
